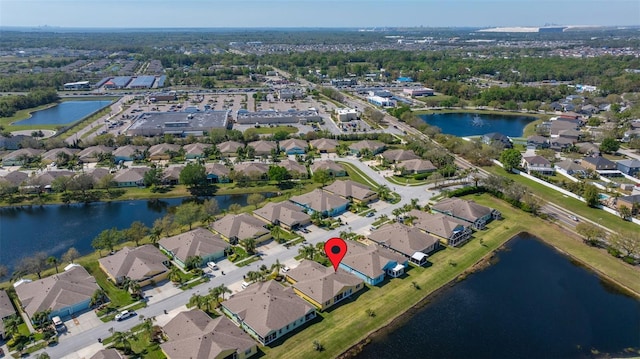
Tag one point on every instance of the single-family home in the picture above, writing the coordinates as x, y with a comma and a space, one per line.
372, 263
268, 311
171, 174
195, 150
21, 157
144, 264
15, 178
44, 180
217, 172
416, 166
65, 293
110, 353
130, 177
163, 151
352, 191
452, 231
394, 156
325, 203
497, 138
236, 227
197, 242
570, 167
334, 169
263, 147
372, 147
469, 211
55, 154
294, 146
588, 148
559, 125
229, 148
537, 142
322, 286
632, 202
285, 214
408, 241
254, 170
295, 169
12, 143
629, 167
537, 164
599, 164
194, 334
129, 153
324, 145
94, 153
6, 310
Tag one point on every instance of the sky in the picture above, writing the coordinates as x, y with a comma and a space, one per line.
316, 13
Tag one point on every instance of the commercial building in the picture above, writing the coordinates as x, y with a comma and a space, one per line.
381, 101
80, 85
416, 92
271, 116
179, 123
346, 114
142, 82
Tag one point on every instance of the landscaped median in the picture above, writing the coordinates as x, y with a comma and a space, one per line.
352, 322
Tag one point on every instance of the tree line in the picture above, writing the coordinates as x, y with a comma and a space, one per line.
11, 104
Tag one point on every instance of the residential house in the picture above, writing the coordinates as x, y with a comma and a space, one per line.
194, 334
12, 143
229, 148
632, 202
263, 147
217, 172
588, 148
295, 169
571, 168
21, 157
469, 211
195, 150
94, 153
570, 133
325, 203
108, 354
65, 293
130, 177
129, 153
236, 227
322, 286
372, 147
407, 241
15, 178
324, 145
53, 154
537, 142
334, 169
285, 214
600, 165
537, 164
268, 311
97, 173
44, 180
352, 191
6, 310
372, 263
171, 174
395, 156
452, 231
561, 143
497, 138
416, 166
144, 264
254, 170
197, 242
294, 146
559, 125
163, 151
629, 167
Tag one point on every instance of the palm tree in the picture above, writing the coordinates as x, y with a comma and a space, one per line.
276, 267
276, 232
193, 262
223, 289
121, 340
320, 248
53, 260
11, 325
254, 276
249, 244
414, 203
97, 297
132, 286
199, 301
308, 251
174, 274
383, 192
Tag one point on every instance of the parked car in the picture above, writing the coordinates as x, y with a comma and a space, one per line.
574, 218
370, 214
285, 269
125, 314
212, 265
245, 284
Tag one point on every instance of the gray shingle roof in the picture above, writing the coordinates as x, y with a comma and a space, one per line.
321, 283
402, 238
251, 167
287, 213
417, 165
369, 260
263, 147
240, 226
438, 224
399, 155
467, 210
350, 188
319, 200
136, 263
197, 242
6, 308
107, 354
326, 165
229, 146
324, 144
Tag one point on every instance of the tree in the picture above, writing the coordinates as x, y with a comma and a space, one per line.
199, 301
174, 274
106, 181
121, 340
510, 159
52, 260
383, 192
307, 252
187, 213
210, 208
70, 255
11, 325
162, 225
276, 232
235, 208
34, 264
132, 286
98, 297
591, 195
625, 212
193, 175
592, 234
255, 199
278, 173
107, 239
609, 145
153, 177
192, 262
41, 319
136, 232
249, 245
321, 176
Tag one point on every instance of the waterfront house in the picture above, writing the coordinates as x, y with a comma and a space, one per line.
295, 169
334, 169
6, 310
285, 214
268, 311
21, 157
469, 211
395, 156
537, 164
373, 263
15, 178
410, 242
12, 143
494, 138
194, 334
571, 168
197, 242
129, 153
629, 167
163, 151
322, 286
195, 150
144, 264
217, 172
229, 148
372, 147
108, 354
94, 153
254, 170
263, 148
53, 155
327, 204
236, 227
537, 142
324, 145
294, 146
452, 231
171, 174
65, 293
416, 166
352, 191
44, 180
130, 177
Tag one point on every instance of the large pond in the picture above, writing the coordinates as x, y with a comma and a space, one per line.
469, 124
55, 228
533, 303
64, 113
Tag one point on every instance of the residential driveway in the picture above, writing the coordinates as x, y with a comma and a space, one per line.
80, 324
379, 205
162, 291
86, 352
348, 217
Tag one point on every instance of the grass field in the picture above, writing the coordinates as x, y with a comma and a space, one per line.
271, 130
356, 175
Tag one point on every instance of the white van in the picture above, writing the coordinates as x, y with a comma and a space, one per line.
245, 284
212, 265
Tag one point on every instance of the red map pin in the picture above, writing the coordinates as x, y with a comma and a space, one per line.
335, 248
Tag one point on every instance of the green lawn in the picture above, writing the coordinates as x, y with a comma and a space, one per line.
119, 297
264, 130
356, 175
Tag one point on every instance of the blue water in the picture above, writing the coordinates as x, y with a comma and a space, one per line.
533, 303
466, 124
56, 228
64, 113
